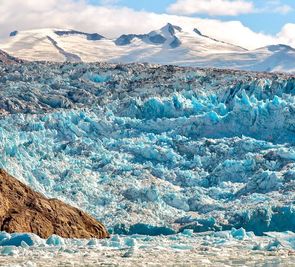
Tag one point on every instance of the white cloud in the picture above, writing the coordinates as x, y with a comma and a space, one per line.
287, 35
211, 7
283, 9
113, 21
226, 7
274, 6
109, 2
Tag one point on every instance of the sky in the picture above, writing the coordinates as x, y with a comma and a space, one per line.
249, 23
265, 16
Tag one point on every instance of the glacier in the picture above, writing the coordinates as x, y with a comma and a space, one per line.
154, 150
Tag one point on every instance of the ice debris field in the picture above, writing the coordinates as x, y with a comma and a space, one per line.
155, 151
224, 248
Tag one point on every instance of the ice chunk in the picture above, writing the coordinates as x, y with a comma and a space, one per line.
182, 247
239, 234
144, 229
8, 251
130, 242
286, 239
55, 240
188, 232
18, 239
176, 202
4, 236
92, 242
97, 78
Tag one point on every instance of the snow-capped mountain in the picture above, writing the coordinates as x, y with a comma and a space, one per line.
168, 45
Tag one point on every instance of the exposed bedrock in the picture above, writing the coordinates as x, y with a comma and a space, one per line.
23, 210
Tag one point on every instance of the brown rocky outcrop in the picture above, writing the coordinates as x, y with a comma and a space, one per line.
7, 59
23, 210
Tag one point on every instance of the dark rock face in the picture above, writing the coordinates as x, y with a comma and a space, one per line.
172, 28
198, 32
14, 33
157, 39
70, 57
7, 59
152, 37
89, 36
175, 43
126, 39
23, 210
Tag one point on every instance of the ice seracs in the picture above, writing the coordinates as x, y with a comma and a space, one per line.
152, 149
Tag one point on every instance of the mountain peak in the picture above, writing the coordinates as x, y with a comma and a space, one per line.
171, 29
279, 47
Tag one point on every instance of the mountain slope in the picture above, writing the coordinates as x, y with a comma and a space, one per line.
168, 45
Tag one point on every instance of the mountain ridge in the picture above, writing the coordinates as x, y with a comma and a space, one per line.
167, 45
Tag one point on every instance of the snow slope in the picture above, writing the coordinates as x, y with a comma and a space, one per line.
168, 45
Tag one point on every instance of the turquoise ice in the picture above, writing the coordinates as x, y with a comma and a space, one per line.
154, 150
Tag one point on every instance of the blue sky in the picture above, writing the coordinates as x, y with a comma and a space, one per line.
264, 20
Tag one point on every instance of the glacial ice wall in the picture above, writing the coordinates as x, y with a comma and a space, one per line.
154, 150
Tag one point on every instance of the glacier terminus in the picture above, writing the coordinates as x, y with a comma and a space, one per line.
179, 158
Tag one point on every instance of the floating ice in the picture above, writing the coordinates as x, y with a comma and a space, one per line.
285, 239
188, 232
239, 233
55, 240
7, 251
20, 240
214, 247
